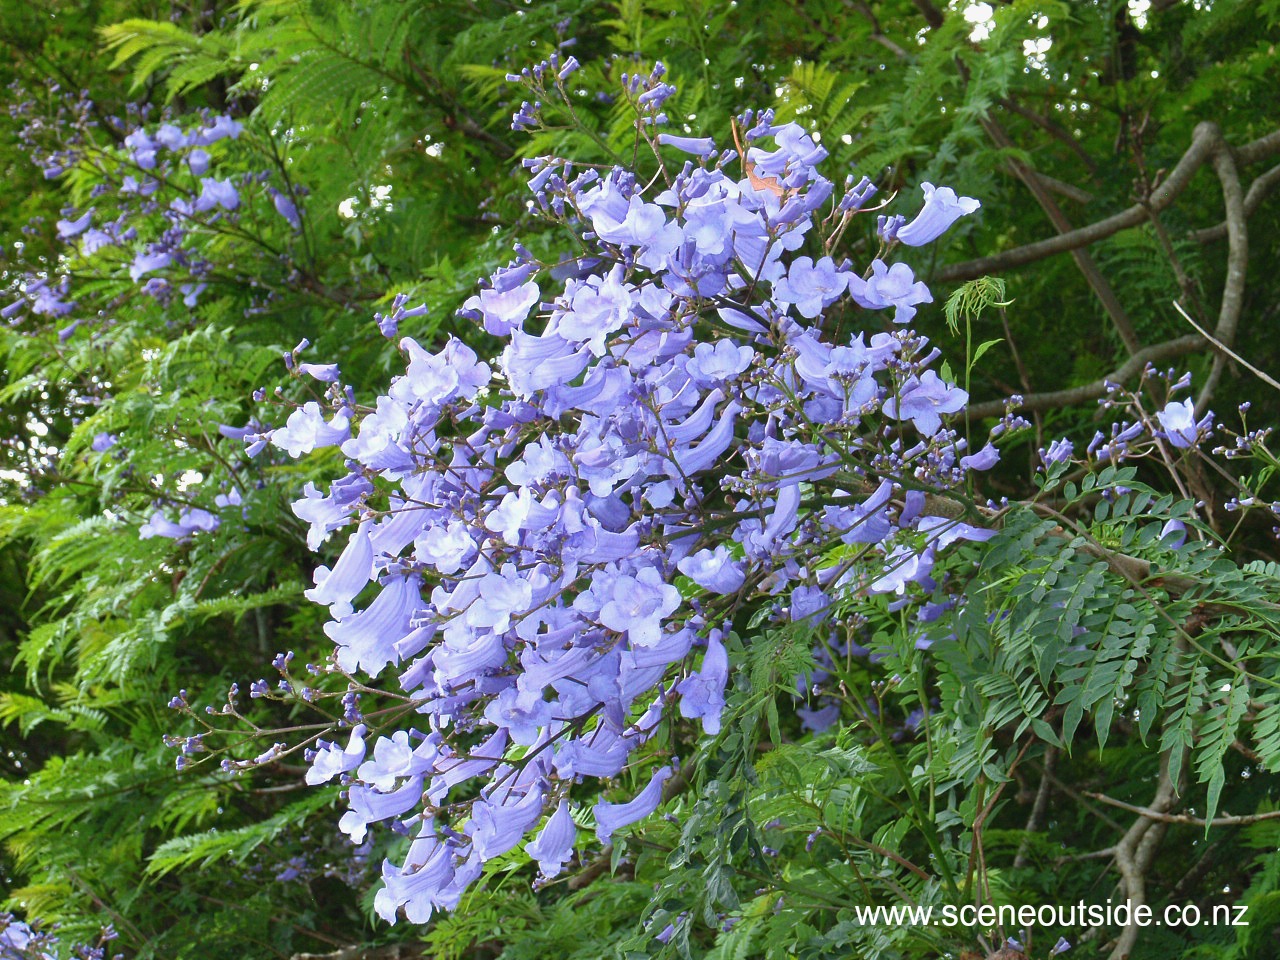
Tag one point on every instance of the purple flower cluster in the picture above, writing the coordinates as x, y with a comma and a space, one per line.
666, 418
18, 941
23, 941
146, 168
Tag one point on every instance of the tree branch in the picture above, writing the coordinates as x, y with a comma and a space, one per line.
1258, 190
1224, 165
1184, 818
932, 15
1204, 139
1054, 130
1136, 851
1053, 399
363, 951
877, 33
1093, 276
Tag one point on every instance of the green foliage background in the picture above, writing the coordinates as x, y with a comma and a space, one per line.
1065, 679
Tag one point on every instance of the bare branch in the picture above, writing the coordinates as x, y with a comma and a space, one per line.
363, 951
1054, 399
1055, 130
1224, 165
1264, 377
1258, 190
877, 33
1184, 818
1097, 282
932, 15
1136, 851
1259, 149
1068, 190
1203, 141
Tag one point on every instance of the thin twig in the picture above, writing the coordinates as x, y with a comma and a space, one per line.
1184, 818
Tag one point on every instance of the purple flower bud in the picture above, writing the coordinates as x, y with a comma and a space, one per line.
698, 146
324, 372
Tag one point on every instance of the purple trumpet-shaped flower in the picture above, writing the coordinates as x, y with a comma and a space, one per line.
145, 263
504, 310
723, 360
923, 399
369, 806
103, 441
714, 570
331, 760
189, 521
902, 566
497, 826
160, 526
419, 886
353, 571
894, 286
1059, 451
943, 531
367, 640
306, 430
1173, 534
553, 847
500, 596
221, 127
942, 208
813, 287
216, 193
395, 758
198, 161
73, 228
523, 714
702, 695
324, 372
638, 606
286, 208
698, 146
984, 459
1179, 424
612, 817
